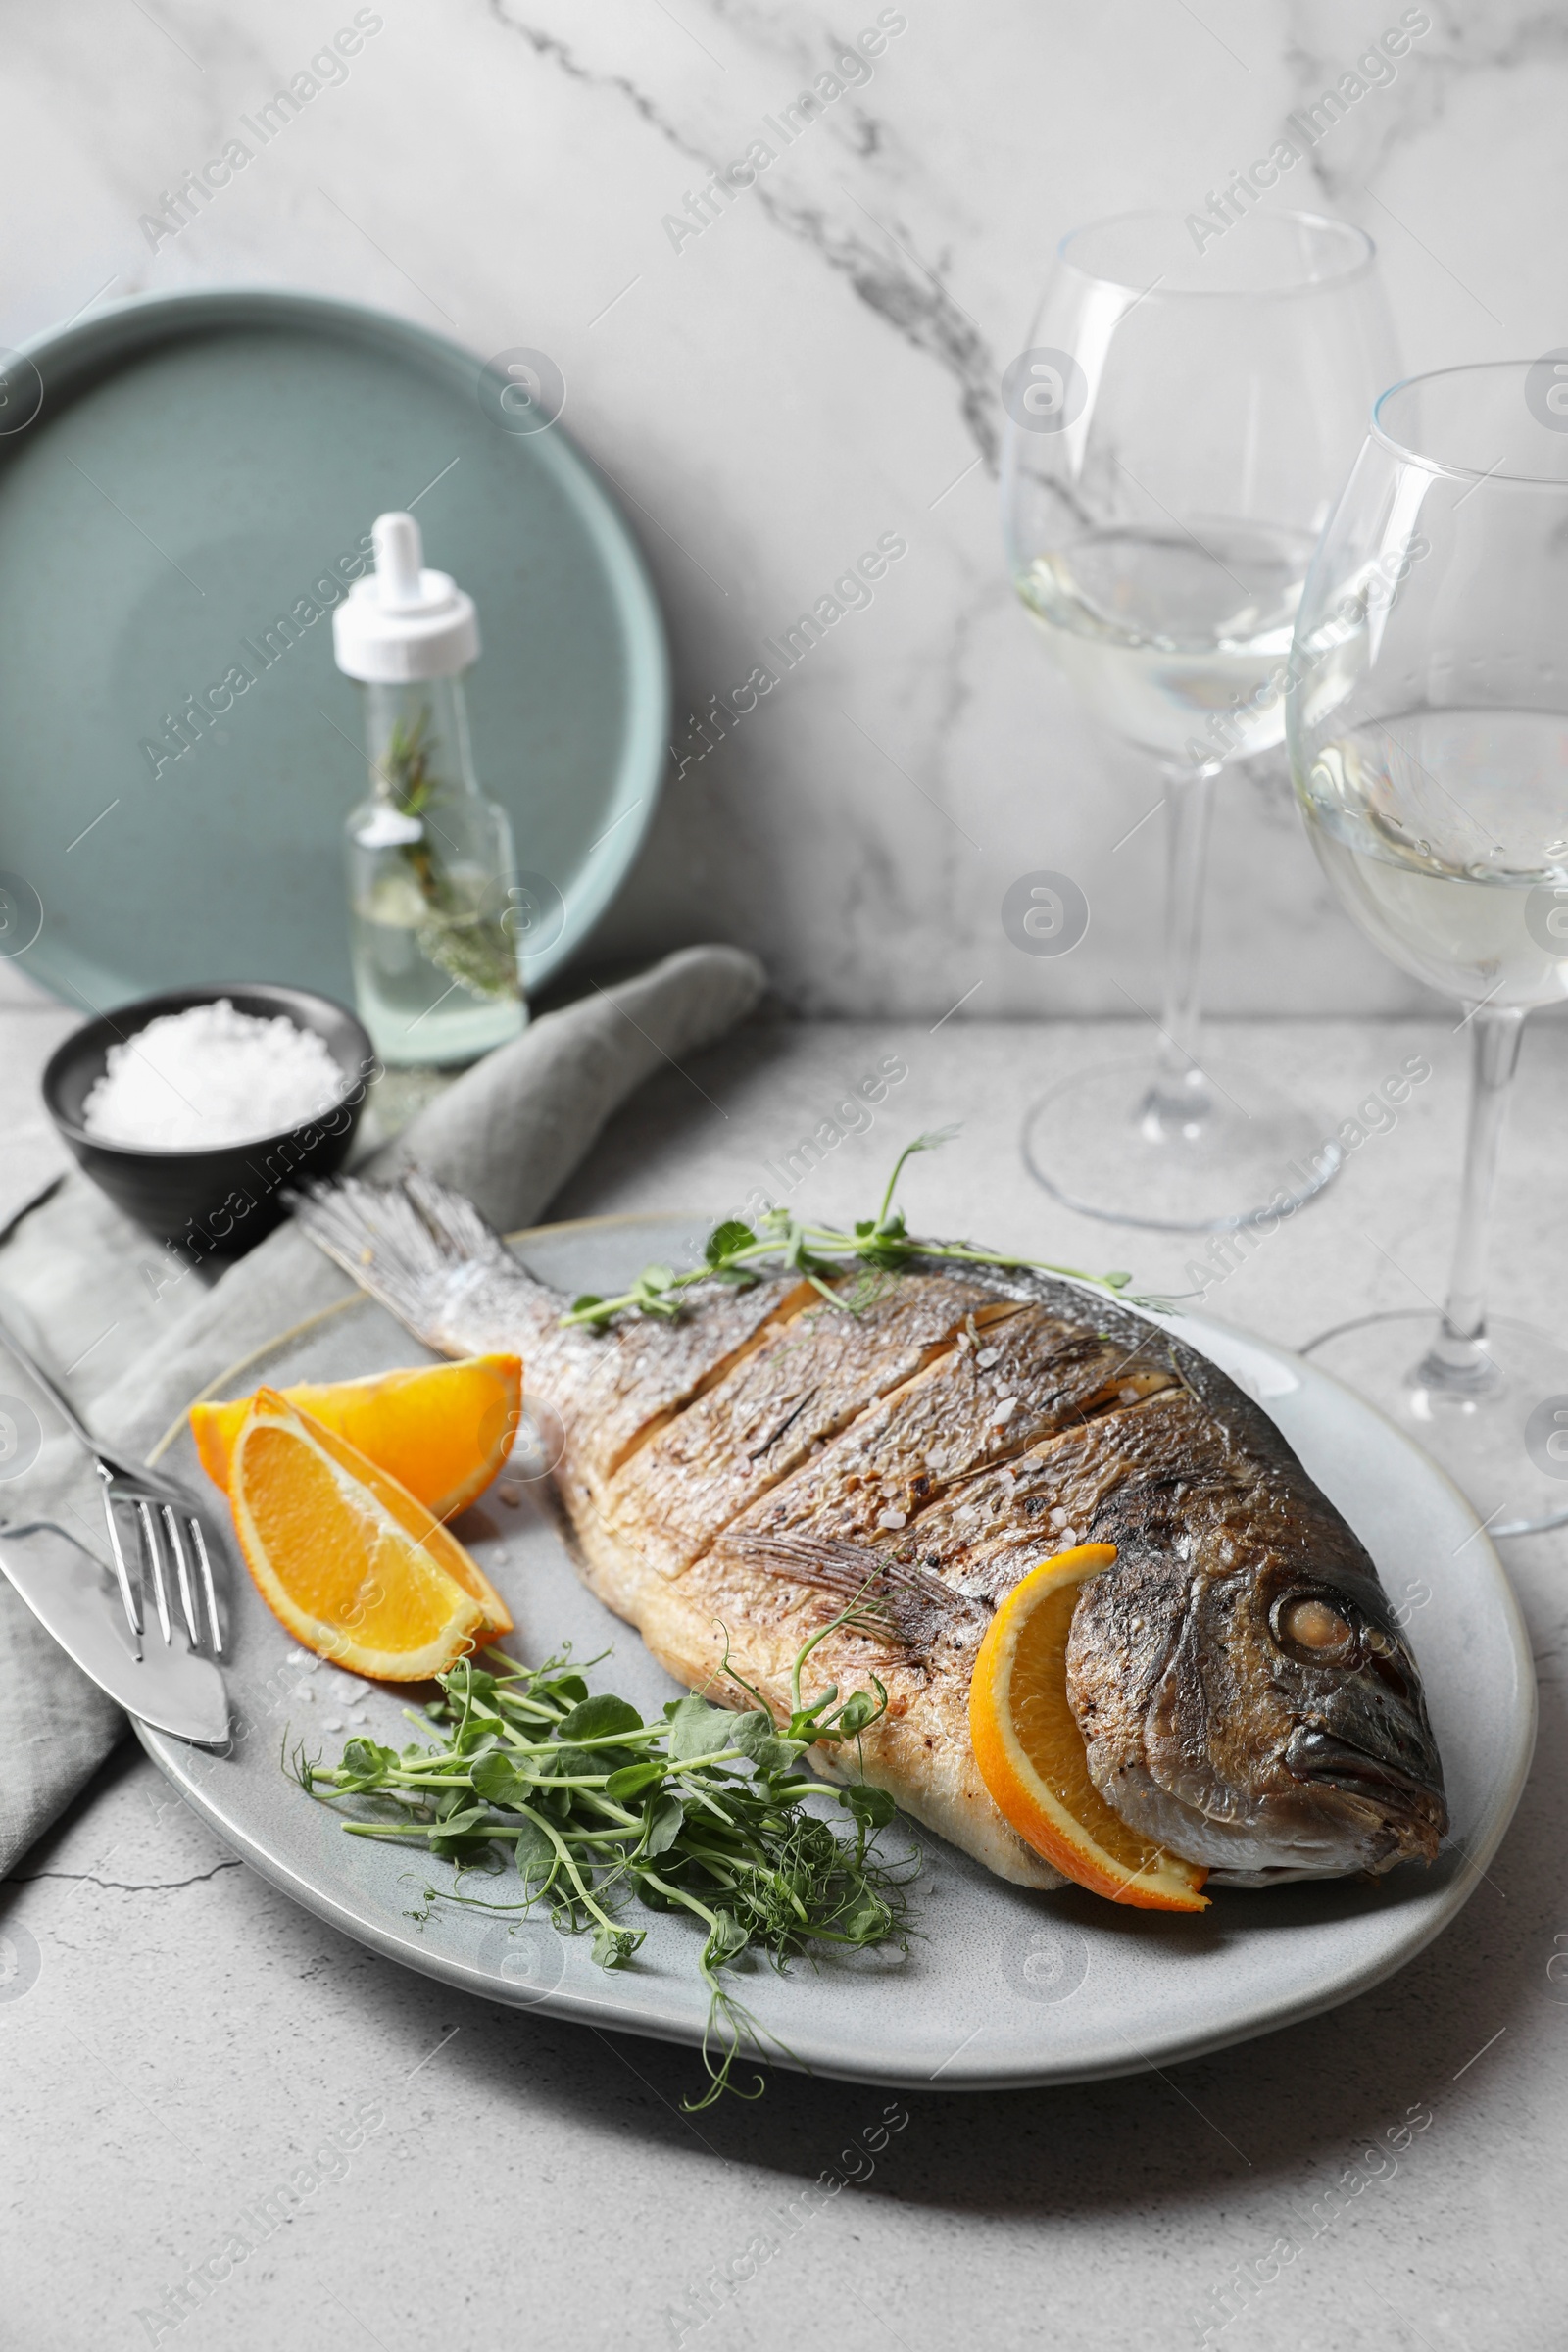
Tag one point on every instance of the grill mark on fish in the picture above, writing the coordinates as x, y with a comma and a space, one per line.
903, 1449
788, 1423
803, 1300
737, 1476
785, 1310
984, 1318
704, 1469
984, 1526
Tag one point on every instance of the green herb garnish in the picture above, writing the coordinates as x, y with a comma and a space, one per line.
459, 935
701, 1811
735, 1252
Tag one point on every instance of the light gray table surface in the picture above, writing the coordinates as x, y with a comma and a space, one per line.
190, 2036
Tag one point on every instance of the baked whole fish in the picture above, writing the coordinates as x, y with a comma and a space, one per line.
1245, 1695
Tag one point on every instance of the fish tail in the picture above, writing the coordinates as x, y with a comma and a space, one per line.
415, 1245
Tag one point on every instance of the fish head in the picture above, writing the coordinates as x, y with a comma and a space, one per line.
1257, 1709
1341, 1661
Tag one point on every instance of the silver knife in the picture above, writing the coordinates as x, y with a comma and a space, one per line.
169, 1685
141, 1636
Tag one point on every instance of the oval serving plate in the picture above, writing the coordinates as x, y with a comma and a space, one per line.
183, 502
1000, 1986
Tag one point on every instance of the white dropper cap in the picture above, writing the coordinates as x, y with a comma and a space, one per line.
402, 622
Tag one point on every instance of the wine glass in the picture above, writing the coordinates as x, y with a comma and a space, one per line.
1428, 744
1177, 433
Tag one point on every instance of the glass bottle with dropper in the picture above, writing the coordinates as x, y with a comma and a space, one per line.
431, 863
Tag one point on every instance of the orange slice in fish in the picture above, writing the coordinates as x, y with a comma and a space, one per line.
348, 1560
443, 1430
1031, 1752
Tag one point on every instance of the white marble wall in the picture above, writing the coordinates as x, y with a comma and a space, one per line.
819, 368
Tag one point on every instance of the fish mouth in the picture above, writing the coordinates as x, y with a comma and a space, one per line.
1354, 1810
1410, 1803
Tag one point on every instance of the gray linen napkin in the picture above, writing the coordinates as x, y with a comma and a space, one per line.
508, 1134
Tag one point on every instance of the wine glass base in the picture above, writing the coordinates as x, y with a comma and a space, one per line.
1508, 1449
1104, 1147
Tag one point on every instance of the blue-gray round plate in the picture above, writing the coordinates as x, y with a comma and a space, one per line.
186, 486
999, 1985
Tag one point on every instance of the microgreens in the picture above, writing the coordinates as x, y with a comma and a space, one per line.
737, 1254
701, 1811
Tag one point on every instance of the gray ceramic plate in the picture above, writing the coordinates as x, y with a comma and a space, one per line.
179, 481
1000, 1986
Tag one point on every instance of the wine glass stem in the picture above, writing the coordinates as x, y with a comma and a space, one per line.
1180, 1089
1457, 1359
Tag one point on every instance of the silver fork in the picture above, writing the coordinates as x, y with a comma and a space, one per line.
169, 1532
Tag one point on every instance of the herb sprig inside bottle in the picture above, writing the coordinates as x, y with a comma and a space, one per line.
459, 933
431, 873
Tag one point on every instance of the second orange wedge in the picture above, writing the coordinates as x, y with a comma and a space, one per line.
349, 1560
1031, 1752
441, 1430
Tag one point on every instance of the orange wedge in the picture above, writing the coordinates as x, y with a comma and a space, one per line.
350, 1561
442, 1430
1031, 1752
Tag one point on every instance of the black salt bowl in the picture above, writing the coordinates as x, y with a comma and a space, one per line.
225, 1200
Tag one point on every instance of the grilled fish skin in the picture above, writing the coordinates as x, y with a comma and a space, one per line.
735, 1475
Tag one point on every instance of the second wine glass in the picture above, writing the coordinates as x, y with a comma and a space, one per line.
1429, 740
1178, 429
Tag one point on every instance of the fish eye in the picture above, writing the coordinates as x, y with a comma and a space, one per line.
1309, 1624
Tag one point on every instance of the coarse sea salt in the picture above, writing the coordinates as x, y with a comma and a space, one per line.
196, 1080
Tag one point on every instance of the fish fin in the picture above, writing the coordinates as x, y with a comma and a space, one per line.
903, 1606
404, 1242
